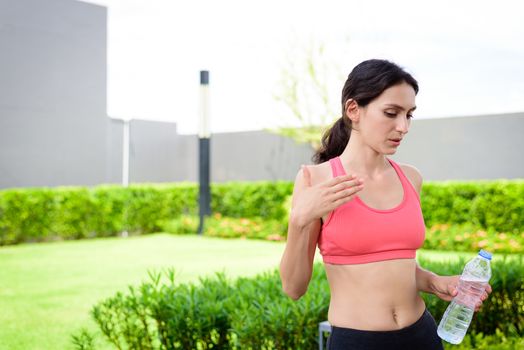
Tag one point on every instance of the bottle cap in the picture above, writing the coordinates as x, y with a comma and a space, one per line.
485, 254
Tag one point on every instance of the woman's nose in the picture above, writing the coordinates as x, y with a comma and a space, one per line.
403, 125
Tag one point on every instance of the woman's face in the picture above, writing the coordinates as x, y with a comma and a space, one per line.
387, 118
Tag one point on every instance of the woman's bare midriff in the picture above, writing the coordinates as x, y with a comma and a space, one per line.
377, 296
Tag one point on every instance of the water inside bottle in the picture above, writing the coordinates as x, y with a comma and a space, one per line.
458, 315
458, 318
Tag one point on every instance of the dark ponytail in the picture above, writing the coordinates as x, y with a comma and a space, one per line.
365, 83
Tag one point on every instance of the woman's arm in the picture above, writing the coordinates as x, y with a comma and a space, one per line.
296, 265
309, 204
444, 287
424, 279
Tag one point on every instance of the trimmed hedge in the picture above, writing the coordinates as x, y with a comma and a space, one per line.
253, 313
468, 238
497, 205
251, 199
39, 214
227, 227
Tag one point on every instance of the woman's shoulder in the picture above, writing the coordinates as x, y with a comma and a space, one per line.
320, 172
413, 174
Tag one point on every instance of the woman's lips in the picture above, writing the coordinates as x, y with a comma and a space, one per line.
396, 143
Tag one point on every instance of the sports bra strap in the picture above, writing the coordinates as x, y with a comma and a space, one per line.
336, 167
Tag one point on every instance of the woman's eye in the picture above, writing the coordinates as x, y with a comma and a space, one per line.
409, 116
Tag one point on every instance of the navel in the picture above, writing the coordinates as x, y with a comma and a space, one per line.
395, 317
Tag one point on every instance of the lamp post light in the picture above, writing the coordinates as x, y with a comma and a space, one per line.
204, 135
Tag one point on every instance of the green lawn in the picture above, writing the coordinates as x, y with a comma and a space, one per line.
48, 289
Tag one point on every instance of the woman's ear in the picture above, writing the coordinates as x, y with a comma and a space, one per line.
352, 110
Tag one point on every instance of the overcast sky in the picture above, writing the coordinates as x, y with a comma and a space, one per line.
468, 56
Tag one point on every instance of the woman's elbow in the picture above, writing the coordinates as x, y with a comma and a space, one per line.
293, 293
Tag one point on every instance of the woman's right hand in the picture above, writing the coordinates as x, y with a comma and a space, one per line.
313, 202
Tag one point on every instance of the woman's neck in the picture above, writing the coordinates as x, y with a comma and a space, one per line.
364, 161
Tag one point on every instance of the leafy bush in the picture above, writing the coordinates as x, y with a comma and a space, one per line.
251, 199
77, 213
40, 214
479, 341
253, 313
183, 224
497, 205
468, 237
84, 340
25, 213
227, 227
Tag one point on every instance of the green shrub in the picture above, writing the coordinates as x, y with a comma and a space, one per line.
497, 204
251, 199
479, 341
25, 213
84, 340
76, 213
183, 224
226, 227
191, 317
109, 202
264, 318
253, 313
468, 237
255, 227
40, 214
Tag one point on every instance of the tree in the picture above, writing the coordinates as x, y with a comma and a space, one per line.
304, 88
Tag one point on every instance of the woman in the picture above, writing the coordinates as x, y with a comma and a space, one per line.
363, 211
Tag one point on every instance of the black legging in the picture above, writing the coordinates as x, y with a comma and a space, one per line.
420, 335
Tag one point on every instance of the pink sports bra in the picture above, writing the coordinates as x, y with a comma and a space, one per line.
355, 233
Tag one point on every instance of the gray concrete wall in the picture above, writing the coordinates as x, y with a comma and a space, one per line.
462, 148
114, 148
256, 155
152, 149
443, 149
466, 148
159, 154
52, 93
244, 156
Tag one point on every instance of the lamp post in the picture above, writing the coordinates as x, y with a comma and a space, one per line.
204, 135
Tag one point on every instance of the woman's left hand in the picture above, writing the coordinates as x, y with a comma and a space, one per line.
445, 287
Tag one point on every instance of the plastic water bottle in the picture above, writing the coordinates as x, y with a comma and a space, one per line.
472, 282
